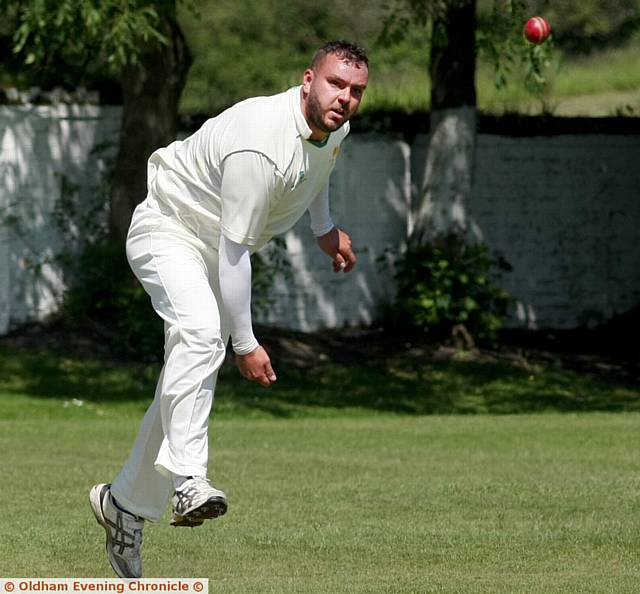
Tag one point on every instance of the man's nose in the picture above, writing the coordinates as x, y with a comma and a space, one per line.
345, 95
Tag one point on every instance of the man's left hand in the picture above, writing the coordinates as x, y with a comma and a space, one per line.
337, 245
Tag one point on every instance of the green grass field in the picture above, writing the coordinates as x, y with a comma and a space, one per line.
604, 84
338, 479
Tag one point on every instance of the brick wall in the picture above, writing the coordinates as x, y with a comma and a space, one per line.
565, 212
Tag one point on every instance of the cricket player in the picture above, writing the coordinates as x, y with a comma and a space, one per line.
246, 175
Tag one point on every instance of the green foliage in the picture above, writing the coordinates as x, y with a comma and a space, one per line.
103, 297
77, 222
438, 290
266, 265
260, 48
499, 36
403, 15
500, 39
106, 298
243, 61
244, 48
582, 26
69, 41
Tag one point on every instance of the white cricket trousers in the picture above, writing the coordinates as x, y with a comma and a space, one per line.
180, 274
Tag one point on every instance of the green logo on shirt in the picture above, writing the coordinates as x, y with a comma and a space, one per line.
297, 182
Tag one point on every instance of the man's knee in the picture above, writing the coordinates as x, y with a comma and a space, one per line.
202, 340
207, 338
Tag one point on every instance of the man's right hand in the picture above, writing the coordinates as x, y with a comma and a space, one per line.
256, 367
337, 245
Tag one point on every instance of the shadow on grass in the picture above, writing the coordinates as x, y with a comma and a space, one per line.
437, 387
47, 374
414, 387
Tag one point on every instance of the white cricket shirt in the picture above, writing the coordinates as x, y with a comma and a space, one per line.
250, 172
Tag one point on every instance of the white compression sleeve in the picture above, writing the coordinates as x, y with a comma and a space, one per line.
234, 269
320, 214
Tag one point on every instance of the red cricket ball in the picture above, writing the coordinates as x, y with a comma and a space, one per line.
537, 30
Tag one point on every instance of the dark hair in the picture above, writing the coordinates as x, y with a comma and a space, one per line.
350, 52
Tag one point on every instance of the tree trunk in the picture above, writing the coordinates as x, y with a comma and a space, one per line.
151, 92
441, 215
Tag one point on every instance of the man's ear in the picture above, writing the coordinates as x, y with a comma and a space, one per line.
307, 79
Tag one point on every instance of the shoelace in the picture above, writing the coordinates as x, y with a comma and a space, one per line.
189, 489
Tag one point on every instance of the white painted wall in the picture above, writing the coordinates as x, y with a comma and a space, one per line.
37, 145
370, 197
563, 210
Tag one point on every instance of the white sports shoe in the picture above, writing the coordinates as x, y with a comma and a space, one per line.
197, 500
124, 532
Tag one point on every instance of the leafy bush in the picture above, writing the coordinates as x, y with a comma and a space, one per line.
266, 265
106, 297
440, 292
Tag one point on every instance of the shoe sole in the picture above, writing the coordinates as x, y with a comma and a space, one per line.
95, 499
213, 507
